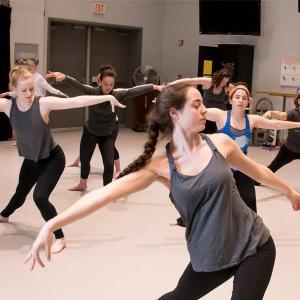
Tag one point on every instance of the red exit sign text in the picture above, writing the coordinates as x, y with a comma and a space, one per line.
99, 8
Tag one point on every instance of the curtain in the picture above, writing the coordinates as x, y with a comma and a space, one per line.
5, 13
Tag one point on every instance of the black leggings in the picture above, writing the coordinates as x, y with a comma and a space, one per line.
283, 157
115, 135
251, 278
45, 174
246, 188
106, 145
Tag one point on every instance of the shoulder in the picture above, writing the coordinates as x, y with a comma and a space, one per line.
222, 141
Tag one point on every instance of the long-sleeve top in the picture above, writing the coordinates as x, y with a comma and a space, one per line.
102, 120
41, 85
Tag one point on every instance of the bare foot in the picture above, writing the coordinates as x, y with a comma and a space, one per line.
81, 186
75, 163
3, 219
117, 173
58, 245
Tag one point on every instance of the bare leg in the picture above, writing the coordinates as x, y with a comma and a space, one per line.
59, 245
75, 163
81, 186
117, 168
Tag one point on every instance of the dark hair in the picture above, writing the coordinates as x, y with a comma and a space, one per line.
36, 62
296, 101
107, 70
16, 74
159, 122
218, 76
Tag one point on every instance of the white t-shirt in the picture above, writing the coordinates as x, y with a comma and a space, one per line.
41, 85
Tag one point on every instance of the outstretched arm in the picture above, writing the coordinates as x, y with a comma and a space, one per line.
261, 122
6, 94
204, 81
216, 115
41, 81
5, 106
124, 94
280, 115
86, 205
72, 82
54, 103
260, 173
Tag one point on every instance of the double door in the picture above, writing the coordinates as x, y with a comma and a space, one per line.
79, 50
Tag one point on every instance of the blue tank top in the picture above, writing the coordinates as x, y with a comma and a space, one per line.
243, 139
221, 230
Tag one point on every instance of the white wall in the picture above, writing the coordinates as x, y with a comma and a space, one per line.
164, 22
27, 24
280, 37
30, 26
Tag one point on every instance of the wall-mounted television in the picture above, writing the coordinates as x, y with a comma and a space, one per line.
236, 17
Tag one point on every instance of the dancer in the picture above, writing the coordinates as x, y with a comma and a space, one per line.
215, 92
225, 238
102, 125
238, 125
290, 150
40, 82
44, 160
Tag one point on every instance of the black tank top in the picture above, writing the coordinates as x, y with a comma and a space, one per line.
34, 139
221, 230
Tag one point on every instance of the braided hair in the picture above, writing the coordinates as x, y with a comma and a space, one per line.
159, 122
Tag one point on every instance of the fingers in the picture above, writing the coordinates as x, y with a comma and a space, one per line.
121, 105
48, 251
33, 264
37, 257
27, 258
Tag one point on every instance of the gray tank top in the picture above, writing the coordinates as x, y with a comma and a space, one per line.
212, 100
34, 139
221, 230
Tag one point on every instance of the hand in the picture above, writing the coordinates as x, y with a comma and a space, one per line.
174, 223
294, 197
267, 115
9, 94
63, 94
114, 102
159, 87
57, 75
42, 242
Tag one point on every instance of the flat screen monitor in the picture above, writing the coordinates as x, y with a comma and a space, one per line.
236, 17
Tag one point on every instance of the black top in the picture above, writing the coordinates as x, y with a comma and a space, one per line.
34, 139
102, 120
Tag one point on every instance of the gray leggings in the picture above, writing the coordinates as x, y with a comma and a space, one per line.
251, 278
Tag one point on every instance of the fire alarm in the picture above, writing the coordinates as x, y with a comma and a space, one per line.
180, 43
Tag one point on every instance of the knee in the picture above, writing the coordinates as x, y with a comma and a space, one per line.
40, 198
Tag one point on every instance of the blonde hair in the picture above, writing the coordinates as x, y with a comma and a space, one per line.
16, 74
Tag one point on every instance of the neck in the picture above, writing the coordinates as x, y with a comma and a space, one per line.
238, 115
24, 105
184, 141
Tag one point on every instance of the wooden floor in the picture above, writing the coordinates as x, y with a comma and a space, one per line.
127, 251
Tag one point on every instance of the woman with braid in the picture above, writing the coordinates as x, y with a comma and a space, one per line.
102, 126
238, 125
44, 160
225, 238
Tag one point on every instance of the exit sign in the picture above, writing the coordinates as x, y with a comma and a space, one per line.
98, 8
